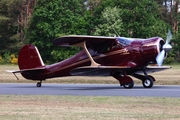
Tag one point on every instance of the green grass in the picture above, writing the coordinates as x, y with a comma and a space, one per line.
88, 108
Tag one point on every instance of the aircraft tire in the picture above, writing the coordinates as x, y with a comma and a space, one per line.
129, 85
148, 82
38, 84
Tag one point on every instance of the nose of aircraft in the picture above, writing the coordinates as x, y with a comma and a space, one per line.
165, 49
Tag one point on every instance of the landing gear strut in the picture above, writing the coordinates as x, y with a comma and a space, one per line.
124, 80
39, 84
148, 81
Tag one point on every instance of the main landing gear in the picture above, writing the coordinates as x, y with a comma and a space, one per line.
124, 80
148, 81
127, 82
129, 85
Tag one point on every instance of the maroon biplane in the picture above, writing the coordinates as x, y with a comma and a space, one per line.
119, 57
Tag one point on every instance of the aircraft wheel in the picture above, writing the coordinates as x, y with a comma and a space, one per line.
129, 85
38, 84
148, 82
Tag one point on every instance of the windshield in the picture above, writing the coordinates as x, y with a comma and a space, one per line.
124, 41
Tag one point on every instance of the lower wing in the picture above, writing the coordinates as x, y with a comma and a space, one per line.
96, 70
108, 70
152, 69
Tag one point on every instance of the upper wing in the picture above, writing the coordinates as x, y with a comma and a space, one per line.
96, 43
75, 39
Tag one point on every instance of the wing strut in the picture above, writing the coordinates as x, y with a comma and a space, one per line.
83, 44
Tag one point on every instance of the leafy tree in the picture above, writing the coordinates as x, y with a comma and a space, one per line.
174, 20
25, 11
8, 25
140, 18
171, 15
52, 19
111, 22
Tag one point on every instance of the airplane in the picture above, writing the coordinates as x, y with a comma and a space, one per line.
119, 57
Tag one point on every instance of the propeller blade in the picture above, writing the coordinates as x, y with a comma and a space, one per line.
160, 58
169, 36
166, 48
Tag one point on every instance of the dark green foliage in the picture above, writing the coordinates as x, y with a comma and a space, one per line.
111, 22
51, 19
175, 54
8, 26
140, 18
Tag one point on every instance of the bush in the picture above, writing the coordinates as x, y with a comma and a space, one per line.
8, 58
170, 60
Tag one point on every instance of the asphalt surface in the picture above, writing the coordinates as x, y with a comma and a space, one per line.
88, 90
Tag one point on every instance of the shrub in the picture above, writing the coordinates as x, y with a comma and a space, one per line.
8, 58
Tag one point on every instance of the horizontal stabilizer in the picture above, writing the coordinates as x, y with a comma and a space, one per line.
26, 70
96, 70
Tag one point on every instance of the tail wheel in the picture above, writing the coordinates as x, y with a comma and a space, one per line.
148, 82
38, 84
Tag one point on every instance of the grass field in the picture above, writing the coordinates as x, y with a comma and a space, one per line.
88, 108
31, 107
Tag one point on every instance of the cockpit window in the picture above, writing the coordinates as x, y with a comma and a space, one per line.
124, 41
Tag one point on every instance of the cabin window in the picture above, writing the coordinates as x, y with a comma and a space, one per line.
113, 45
124, 41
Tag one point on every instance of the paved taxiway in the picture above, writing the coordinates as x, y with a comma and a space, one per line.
88, 90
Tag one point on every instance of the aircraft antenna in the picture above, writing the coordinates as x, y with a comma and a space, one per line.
116, 32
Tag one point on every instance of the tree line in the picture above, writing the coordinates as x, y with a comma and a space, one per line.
38, 22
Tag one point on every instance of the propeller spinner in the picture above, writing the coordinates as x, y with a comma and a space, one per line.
165, 49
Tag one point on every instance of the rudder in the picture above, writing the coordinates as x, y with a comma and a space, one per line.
29, 57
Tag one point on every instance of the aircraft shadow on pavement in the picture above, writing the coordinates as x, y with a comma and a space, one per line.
81, 87
106, 88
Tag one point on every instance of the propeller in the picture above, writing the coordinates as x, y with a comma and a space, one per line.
165, 49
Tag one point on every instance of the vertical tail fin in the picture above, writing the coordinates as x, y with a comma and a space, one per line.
29, 57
